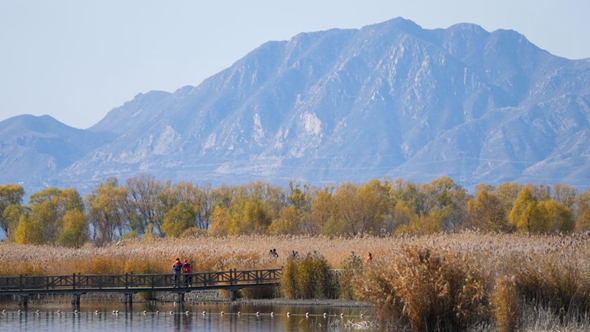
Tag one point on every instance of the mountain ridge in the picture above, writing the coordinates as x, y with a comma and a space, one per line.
388, 99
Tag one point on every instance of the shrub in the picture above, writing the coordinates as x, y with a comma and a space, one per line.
351, 274
431, 289
308, 278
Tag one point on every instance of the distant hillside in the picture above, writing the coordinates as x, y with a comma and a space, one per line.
390, 99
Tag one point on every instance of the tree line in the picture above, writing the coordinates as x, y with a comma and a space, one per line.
147, 207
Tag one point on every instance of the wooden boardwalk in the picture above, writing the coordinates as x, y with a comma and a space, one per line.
129, 283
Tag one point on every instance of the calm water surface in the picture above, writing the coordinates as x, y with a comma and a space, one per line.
205, 317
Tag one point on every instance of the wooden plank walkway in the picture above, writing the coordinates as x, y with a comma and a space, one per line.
129, 283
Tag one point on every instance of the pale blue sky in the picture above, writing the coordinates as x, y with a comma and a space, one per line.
76, 60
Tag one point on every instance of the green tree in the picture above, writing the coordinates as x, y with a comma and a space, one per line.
180, 218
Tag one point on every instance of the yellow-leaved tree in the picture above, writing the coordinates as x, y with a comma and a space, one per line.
526, 215
486, 212
75, 230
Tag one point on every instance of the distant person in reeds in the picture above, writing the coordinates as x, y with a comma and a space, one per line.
369, 258
177, 268
274, 253
187, 269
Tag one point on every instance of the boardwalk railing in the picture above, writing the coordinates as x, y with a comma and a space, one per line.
132, 283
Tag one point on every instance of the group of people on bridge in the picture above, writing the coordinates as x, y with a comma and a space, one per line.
182, 268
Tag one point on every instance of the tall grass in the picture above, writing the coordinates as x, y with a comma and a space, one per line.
436, 282
433, 289
308, 278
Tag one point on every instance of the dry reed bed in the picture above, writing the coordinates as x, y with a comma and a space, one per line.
207, 253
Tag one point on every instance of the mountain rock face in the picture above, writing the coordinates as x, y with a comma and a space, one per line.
387, 100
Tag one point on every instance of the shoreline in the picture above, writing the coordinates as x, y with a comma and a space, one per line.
191, 298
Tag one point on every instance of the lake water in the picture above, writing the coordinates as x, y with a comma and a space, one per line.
204, 317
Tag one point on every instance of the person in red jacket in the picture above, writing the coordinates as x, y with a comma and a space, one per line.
187, 269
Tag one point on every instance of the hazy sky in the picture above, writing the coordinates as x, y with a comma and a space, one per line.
76, 60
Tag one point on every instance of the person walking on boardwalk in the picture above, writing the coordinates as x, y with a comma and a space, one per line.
187, 269
177, 268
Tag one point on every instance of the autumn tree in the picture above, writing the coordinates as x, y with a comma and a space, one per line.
559, 217
50, 206
29, 231
11, 216
583, 212
178, 219
507, 193
411, 194
485, 212
447, 199
10, 194
402, 215
526, 215
321, 211
75, 230
565, 194
143, 192
359, 210
108, 211
287, 223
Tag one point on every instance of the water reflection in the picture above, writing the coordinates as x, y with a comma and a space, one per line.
204, 317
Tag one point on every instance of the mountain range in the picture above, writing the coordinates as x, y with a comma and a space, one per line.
386, 100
